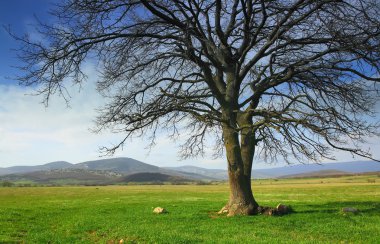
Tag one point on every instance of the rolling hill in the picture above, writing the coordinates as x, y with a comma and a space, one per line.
104, 171
290, 170
120, 165
116, 170
27, 169
319, 174
65, 177
349, 167
153, 177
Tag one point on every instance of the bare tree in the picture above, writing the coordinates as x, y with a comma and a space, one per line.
291, 79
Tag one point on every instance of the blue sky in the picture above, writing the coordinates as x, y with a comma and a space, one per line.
19, 15
33, 134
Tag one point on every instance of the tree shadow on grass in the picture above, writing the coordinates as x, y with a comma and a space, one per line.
366, 207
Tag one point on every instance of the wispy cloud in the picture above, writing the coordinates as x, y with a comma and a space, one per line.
31, 133
28, 128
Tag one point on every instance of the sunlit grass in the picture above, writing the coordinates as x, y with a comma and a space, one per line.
112, 213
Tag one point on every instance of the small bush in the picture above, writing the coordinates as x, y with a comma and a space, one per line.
25, 185
179, 183
202, 183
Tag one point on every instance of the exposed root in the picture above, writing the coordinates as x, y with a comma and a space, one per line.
224, 210
238, 209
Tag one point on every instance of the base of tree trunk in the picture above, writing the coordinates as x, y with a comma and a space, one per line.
239, 209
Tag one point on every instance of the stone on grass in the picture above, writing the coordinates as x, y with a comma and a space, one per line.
159, 210
350, 210
266, 210
282, 209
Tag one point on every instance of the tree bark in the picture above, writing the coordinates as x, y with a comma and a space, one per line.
239, 157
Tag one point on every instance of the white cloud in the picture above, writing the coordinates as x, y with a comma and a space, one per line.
33, 134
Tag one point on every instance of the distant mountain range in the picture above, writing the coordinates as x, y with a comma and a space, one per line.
124, 170
353, 167
104, 171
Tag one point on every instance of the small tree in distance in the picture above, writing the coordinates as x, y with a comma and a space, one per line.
276, 79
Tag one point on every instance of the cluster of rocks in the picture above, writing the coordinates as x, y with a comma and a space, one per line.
281, 209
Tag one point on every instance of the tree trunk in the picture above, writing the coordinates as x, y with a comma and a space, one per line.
239, 156
239, 159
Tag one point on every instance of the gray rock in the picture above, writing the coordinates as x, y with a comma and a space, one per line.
350, 210
283, 209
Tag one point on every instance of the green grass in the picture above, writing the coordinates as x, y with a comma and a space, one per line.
109, 214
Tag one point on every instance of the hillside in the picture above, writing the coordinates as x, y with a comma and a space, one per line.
26, 169
153, 178
120, 165
286, 171
349, 167
111, 171
318, 174
104, 171
211, 173
65, 177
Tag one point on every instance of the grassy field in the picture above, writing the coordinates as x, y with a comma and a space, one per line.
113, 213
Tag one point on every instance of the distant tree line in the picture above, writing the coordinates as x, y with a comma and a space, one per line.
7, 184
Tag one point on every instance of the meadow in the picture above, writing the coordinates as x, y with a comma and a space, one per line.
109, 214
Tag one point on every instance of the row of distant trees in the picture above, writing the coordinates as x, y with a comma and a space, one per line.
7, 184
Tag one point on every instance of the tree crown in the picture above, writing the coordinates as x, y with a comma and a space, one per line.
301, 75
